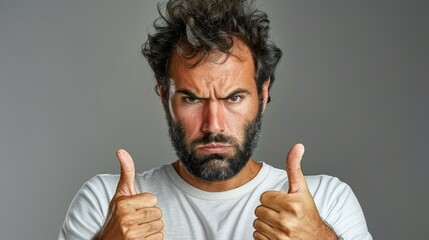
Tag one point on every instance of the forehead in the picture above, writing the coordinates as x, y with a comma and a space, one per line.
217, 72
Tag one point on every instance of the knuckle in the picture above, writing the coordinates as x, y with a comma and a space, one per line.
285, 225
296, 209
152, 214
153, 227
121, 205
281, 237
158, 236
125, 220
150, 198
158, 225
272, 196
125, 232
129, 234
158, 213
280, 197
147, 214
283, 222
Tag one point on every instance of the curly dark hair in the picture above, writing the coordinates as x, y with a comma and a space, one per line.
193, 28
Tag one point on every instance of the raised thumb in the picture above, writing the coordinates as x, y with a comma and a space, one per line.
126, 181
296, 178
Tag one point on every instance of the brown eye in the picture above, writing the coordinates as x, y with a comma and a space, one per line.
235, 99
190, 100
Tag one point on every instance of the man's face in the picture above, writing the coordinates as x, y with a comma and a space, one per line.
214, 112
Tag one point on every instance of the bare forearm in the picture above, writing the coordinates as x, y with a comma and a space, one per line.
329, 232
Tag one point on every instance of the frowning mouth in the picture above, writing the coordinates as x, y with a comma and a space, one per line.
214, 148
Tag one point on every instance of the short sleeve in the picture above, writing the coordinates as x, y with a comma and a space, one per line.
87, 211
340, 208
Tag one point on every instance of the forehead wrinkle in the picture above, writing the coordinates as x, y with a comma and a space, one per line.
214, 84
215, 75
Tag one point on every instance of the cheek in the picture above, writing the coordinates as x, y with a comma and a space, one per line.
189, 118
178, 112
238, 119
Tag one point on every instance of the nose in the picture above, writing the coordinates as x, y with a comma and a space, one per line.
213, 118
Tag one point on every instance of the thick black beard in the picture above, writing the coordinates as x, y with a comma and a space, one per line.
215, 167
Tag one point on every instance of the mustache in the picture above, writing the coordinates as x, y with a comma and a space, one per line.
214, 138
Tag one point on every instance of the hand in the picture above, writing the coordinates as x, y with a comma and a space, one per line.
292, 214
131, 215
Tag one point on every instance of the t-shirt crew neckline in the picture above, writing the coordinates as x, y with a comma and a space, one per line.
223, 195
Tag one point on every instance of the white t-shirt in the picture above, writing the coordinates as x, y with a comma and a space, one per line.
190, 213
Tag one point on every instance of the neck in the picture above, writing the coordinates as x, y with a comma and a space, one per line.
249, 171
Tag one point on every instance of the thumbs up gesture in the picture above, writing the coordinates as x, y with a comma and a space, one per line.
131, 215
292, 214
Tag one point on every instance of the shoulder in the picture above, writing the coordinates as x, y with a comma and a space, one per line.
317, 184
102, 180
151, 180
335, 201
327, 191
89, 207
338, 206
153, 173
101, 186
94, 196
325, 184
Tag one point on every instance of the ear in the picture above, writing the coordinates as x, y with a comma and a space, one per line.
265, 93
161, 91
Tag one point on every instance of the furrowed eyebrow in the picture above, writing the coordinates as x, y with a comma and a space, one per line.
189, 93
237, 91
232, 94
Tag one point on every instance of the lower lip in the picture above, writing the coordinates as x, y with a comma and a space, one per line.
215, 150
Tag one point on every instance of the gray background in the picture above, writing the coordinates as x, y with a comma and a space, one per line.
353, 87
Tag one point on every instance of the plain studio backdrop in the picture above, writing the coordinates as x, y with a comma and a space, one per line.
353, 86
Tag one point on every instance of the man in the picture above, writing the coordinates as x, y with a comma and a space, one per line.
214, 69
